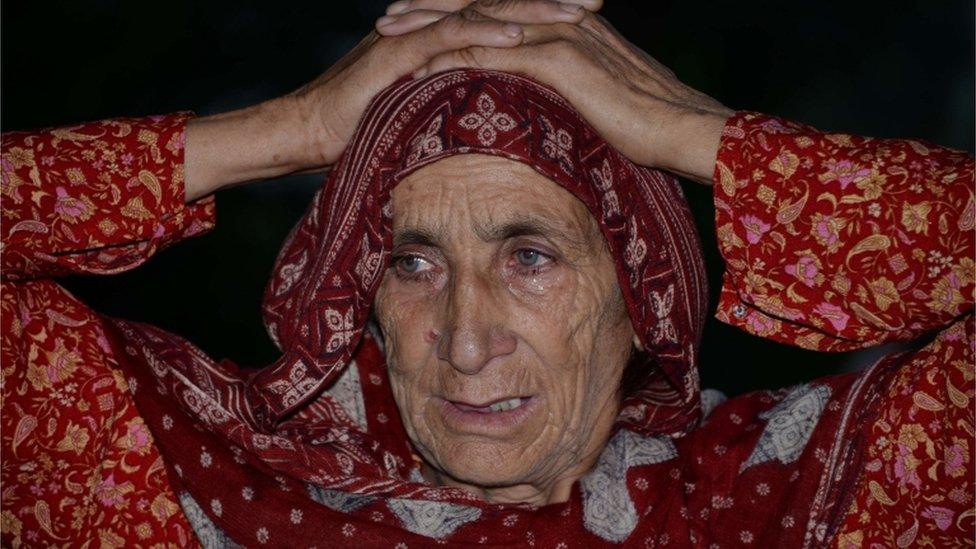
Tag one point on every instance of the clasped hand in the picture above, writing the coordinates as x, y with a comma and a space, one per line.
653, 118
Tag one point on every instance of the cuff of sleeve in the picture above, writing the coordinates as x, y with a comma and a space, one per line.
176, 219
154, 198
737, 196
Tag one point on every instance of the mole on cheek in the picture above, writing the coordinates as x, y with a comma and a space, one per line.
430, 336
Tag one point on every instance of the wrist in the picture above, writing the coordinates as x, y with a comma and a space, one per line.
695, 137
259, 142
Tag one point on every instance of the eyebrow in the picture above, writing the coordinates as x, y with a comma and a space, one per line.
521, 227
416, 237
530, 226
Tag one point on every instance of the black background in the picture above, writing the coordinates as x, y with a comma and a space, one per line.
890, 69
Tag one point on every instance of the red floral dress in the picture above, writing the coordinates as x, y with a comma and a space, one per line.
831, 241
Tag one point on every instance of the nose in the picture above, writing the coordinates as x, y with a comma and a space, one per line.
472, 335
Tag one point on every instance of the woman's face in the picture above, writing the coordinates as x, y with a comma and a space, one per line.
506, 333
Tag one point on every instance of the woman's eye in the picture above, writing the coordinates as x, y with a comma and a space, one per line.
530, 258
411, 264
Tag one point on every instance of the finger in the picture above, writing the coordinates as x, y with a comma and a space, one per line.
403, 6
452, 32
530, 11
524, 11
395, 25
591, 6
508, 60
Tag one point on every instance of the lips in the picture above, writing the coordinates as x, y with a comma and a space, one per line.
502, 405
490, 417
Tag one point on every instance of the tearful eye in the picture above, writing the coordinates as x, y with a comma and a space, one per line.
530, 258
411, 264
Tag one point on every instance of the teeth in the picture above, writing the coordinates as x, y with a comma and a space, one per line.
506, 405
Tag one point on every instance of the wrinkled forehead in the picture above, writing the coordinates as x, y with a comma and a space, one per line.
489, 198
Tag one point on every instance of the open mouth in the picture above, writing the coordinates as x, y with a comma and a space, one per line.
490, 417
497, 406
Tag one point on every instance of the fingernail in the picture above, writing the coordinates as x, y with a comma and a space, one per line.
569, 8
512, 31
419, 73
385, 20
397, 7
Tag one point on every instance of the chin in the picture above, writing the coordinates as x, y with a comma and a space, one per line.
487, 464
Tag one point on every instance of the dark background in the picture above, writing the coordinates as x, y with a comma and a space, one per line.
891, 69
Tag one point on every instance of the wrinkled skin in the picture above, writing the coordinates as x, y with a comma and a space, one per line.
501, 285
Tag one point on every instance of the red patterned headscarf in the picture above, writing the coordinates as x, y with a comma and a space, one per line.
312, 446
318, 301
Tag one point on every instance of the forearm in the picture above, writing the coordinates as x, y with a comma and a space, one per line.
694, 148
261, 142
94, 198
850, 240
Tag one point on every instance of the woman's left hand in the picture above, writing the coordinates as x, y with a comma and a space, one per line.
653, 118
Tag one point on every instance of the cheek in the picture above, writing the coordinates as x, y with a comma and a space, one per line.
582, 336
405, 317
406, 320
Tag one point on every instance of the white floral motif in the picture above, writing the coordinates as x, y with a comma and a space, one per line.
369, 263
636, 247
433, 519
604, 182
342, 329
662, 305
291, 390
789, 425
608, 510
262, 535
290, 273
557, 143
427, 143
296, 516
487, 120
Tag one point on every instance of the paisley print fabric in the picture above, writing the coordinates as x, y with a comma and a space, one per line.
79, 462
114, 431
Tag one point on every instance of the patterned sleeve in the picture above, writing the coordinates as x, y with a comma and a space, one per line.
97, 198
834, 241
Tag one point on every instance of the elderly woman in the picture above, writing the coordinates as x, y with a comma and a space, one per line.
490, 315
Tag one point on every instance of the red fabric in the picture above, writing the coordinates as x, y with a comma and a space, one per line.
320, 295
887, 455
79, 462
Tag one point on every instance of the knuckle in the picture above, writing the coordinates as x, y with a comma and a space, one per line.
450, 26
472, 14
468, 57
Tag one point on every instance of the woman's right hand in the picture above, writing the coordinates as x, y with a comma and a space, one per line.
308, 129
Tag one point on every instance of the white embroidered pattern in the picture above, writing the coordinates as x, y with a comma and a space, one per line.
608, 510
434, 519
789, 425
487, 121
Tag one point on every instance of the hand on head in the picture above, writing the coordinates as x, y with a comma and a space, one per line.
637, 104
653, 117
